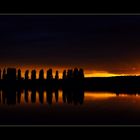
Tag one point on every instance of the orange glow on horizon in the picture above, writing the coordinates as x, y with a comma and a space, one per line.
87, 74
100, 74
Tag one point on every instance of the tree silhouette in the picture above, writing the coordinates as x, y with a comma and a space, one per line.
19, 74
41, 74
69, 74
81, 73
49, 74
57, 75
75, 73
0, 73
33, 74
26, 74
11, 74
64, 75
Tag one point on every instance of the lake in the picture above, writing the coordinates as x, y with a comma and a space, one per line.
60, 108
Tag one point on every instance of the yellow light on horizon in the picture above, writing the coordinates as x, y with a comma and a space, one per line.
100, 74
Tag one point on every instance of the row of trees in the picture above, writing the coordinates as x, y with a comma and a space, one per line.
69, 74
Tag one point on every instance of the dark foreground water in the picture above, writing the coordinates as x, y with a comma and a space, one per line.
57, 108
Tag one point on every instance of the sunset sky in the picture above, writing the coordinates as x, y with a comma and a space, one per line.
103, 45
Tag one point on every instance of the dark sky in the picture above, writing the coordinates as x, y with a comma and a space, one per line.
95, 42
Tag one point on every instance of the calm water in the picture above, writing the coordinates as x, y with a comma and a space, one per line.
90, 108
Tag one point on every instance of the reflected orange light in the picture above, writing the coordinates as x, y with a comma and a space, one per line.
99, 95
37, 100
128, 95
22, 98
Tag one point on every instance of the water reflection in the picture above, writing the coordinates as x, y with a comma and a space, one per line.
41, 96
73, 96
55, 96
8, 96
26, 95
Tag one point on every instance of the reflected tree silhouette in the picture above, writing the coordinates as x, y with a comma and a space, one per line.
33, 95
26, 95
41, 91
49, 96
